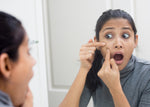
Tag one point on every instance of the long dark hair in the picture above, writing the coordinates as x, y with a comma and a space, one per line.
11, 35
92, 80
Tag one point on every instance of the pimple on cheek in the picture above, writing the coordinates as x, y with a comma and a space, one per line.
104, 49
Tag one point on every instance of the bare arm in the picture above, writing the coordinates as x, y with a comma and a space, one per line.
119, 97
73, 96
87, 52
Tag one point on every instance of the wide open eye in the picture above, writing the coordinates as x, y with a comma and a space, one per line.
108, 36
125, 35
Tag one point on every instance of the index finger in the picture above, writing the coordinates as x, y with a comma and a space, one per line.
107, 57
99, 44
114, 65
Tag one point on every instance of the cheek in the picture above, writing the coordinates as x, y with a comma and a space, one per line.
129, 51
103, 49
129, 46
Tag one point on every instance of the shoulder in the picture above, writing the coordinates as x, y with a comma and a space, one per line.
142, 64
141, 74
142, 61
142, 70
5, 100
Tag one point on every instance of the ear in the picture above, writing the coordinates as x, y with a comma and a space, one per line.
5, 65
136, 41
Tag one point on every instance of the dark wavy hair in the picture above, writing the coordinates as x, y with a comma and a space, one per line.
12, 34
92, 80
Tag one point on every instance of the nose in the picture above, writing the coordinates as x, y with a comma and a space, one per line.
118, 44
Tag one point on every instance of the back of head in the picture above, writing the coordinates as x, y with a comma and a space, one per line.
11, 35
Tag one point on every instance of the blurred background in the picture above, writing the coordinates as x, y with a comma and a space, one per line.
61, 27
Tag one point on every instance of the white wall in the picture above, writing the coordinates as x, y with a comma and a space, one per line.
72, 23
30, 13
61, 26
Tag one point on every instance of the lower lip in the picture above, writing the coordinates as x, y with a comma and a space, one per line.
119, 62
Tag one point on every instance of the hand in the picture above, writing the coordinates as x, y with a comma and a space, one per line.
109, 72
87, 53
29, 99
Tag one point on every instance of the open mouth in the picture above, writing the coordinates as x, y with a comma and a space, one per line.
118, 58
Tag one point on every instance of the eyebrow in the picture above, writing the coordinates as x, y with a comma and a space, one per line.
110, 28
127, 28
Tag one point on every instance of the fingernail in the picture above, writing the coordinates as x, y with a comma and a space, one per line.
111, 59
108, 51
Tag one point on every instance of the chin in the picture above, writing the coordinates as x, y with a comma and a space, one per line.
19, 103
121, 67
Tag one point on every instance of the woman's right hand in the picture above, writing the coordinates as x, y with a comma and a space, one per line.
87, 53
28, 100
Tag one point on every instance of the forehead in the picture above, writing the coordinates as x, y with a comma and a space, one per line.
117, 23
25, 41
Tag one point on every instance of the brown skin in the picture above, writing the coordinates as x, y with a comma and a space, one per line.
87, 53
118, 27
86, 58
116, 43
16, 76
109, 72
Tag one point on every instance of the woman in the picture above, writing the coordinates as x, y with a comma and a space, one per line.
109, 72
15, 64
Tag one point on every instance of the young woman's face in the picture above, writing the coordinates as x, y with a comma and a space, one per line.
21, 73
120, 40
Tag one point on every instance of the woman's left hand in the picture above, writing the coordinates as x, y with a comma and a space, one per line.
109, 72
